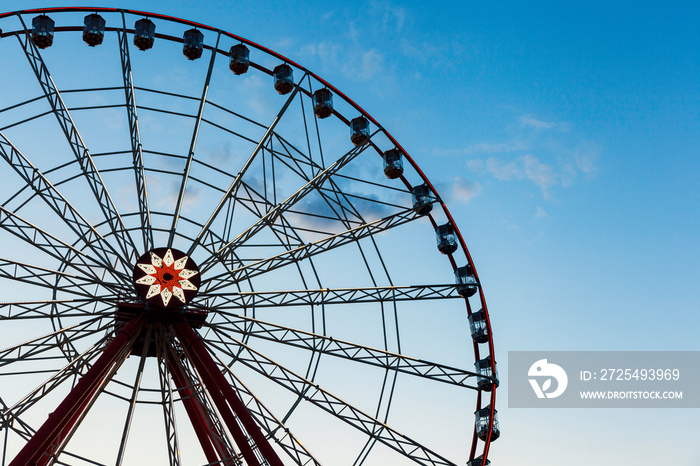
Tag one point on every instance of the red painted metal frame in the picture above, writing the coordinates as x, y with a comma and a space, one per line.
223, 394
213, 449
63, 419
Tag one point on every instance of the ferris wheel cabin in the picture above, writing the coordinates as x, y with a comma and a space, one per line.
323, 103
483, 417
239, 60
93, 30
193, 44
446, 238
359, 130
393, 163
488, 374
42, 31
478, 461
422, 200
478, 327
466, 281
144, 34
284, 79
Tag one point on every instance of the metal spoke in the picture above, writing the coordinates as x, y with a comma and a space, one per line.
135, 138
166, 391
59, 339
77, 366
48, 278
24, 310
134, 396
326, 401
87, 234
192, 392
249, 327
87, 165
224, 251
272, 426
329, 296
204, 234
49, 244
303, 252
193, 143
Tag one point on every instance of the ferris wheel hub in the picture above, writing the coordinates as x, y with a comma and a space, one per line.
166, 278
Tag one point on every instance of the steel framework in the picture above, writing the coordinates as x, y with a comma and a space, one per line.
327, 328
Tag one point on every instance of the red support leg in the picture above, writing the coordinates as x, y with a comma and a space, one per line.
207, 368
198, 419
63, 435
220, 402
61, 420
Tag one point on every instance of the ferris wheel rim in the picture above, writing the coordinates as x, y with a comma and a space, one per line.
339, 93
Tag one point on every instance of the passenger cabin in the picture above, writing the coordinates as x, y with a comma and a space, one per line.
466, 281
239, 60
359, 130
478, 461
393, 163
192, 44
483, 416
478, 327
93, 29
144, 34
488, 374
446, 239
284, 80
422, 199
42, 31
323, 103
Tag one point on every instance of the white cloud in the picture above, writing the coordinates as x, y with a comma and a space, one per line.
529, 121
540, 213
476, 165
371, 64
524, 167
540, 173
495, 147
553, 159
505, 170
391, 18
464, 191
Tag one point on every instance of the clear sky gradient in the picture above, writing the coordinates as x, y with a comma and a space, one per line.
564, 137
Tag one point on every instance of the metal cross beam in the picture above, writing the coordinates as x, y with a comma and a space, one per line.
330, 296
328, 402
326, 345
87, 165
87, 234
135, 138
308, 250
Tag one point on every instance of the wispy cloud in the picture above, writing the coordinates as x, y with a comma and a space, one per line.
540, 213
546, 153
463, 191
495, 147
537, 124
391, 17
525, 167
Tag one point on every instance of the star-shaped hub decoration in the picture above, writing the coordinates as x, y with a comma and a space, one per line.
166, 277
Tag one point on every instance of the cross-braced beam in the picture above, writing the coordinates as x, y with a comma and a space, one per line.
87, 165
135, 138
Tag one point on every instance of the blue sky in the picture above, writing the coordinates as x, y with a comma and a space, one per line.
564, 137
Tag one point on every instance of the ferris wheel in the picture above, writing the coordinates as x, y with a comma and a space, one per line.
219, 258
